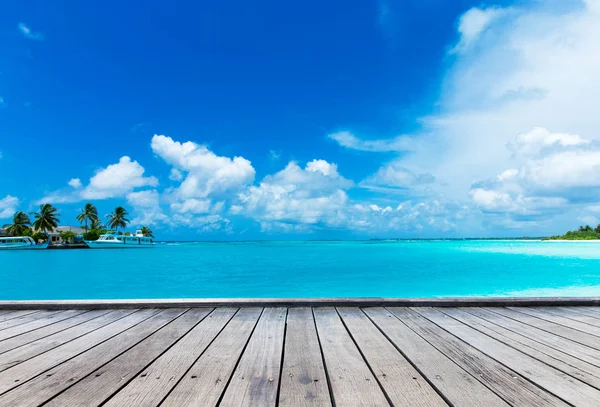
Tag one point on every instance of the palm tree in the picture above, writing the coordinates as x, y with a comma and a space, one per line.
96, 224
46, 219
118, 218
88, 213
146, 231
21, 223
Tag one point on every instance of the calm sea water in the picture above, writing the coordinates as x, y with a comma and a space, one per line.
305, 269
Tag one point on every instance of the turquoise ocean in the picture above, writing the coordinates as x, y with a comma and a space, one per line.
431, 268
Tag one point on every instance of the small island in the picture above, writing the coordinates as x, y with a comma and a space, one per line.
583, 233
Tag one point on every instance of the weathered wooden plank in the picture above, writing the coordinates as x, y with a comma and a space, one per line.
206, 380
303, 380
458, 386
577, 368
17, 375
512, 387
24, 319
589, 311
100, 384
62, 376
571, 314
545, 338
547, 377
256, 379
552, 327
18, 355
403, 384
351, 380
38, 323
151, 386
28, 337
16, 314
561, 320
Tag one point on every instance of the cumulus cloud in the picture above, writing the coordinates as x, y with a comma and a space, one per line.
348, 140
206, 173
117, 179
29, 33
146, 207
75, 183
114, 181
8, 206
313, 195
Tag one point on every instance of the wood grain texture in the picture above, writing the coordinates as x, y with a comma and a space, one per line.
554, 317
303, 379
97, 386
508, 384
16, 314
28, 337
548, 339
577, 368
458, 386
151, 386
23, 353
403, 384
24, 319
37, 323
547, 377
62, 376
351, 380
256, 379
35, 366
551, 327
206, 380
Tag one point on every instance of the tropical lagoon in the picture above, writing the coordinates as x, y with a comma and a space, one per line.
419, 268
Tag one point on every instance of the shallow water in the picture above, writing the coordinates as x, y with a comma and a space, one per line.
306, 269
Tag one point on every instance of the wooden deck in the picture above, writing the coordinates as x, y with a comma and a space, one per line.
301, 356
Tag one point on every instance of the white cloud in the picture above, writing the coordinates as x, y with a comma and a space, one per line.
146, 207
313, 196
117, 180
28, 33
75, 183
8, 206
175, 175
2, 102
393, 175
114, 181
192, 205
517, 113
540, 139
350, 141
207, 173
473, 23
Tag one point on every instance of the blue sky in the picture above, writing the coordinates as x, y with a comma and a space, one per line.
273, 120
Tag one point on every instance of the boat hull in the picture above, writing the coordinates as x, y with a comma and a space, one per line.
24, 247
94, 244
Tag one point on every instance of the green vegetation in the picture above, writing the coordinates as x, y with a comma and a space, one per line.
46, 220
88, 213
583, 233
67, 236
118, 218
39, 236
20, 225
146, 231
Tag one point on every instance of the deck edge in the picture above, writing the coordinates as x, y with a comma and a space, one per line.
301, 302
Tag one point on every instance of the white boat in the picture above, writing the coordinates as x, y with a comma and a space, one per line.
20, 243
109, 241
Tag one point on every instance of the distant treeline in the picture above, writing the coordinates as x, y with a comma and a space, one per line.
583, 233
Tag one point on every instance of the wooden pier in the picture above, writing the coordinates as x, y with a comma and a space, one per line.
343, 355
